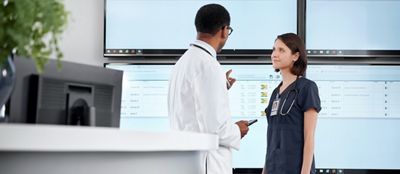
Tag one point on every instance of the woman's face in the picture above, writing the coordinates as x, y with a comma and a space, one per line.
282, 57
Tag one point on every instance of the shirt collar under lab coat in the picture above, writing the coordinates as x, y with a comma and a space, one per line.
206, 46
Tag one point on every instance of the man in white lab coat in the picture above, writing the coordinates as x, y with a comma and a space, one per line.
198, 95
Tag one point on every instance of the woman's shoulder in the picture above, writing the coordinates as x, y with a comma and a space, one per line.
304, 82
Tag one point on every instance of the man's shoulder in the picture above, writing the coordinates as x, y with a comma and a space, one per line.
195, 58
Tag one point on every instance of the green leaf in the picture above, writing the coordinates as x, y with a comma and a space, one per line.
32, 28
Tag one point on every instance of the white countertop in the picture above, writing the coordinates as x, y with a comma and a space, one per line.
51, 138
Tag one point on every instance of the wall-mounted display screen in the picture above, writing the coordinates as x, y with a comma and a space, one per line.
357, 127
353, 28
156, 27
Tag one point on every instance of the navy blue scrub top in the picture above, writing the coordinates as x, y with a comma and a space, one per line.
285, 135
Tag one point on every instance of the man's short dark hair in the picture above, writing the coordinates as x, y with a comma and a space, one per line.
211, 18
295, 44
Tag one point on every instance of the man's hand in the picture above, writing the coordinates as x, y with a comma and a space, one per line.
229, 80
243, 126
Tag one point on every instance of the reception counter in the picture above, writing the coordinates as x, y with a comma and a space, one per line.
49, 149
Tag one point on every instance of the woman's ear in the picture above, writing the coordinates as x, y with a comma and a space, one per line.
296, 56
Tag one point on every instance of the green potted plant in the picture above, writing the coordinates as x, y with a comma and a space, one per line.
28, 28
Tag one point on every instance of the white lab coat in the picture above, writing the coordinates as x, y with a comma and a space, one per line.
198, 102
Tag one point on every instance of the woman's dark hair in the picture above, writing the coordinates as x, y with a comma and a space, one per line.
211, 18
295, 44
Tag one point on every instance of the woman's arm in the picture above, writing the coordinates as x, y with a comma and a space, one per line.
310, 122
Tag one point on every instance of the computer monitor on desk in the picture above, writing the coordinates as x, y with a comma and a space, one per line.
76, 94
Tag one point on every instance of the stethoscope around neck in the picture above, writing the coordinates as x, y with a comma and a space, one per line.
202, 48
293, 90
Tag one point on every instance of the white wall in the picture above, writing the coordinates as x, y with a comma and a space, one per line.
82, 41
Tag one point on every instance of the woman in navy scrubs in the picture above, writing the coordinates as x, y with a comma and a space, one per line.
292, 111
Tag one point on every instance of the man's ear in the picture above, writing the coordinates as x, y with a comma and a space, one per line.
224, 32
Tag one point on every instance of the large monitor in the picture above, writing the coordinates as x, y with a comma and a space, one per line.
166, 27
357, 128
362, 28
144, 102
144, 96
76, 94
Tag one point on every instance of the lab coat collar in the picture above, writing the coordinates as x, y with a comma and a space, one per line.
206, 46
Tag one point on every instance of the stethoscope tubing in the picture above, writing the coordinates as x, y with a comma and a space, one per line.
295, 97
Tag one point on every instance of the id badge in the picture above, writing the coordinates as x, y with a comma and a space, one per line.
275, 105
